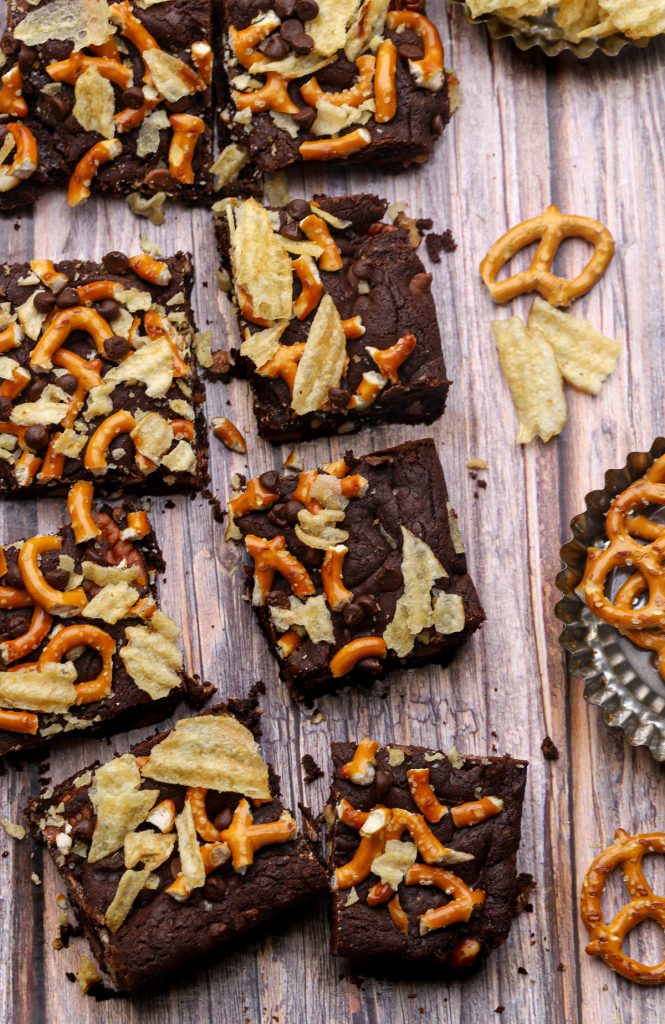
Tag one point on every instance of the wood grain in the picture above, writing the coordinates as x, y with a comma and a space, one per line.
589, 137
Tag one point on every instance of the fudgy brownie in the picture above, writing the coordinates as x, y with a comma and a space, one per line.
340, 80
107, 97
173, 850
357, 568
97, 380
83, 644
336, 311
423, 853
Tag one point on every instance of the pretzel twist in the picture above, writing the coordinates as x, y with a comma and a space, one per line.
21, 646
316, 230
428, 71
203, 59
390, 359
475, 811
19, 721
79, 506
213, 856
186, 131
244, 41
84, 636
64, 603
26, 158
254, 498
151, 270
77, 318
120, 422
337, 595
460, 908
71, 69
361, 769
370, 847
423, 794
356, 650
18, 383
385, 87
11, 337
335, 149
78, 189
244, 837
360, 91
271, 556
274, 95
196, 798
550, 229
606, 938
311, 286
49, 276
284, 363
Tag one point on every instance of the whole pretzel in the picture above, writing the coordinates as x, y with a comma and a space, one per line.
550, 229
606, 938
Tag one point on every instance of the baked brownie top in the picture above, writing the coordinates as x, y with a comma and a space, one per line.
177, 847
81, 639
97, 375
357, 562
333, 80
114, 94
423, 857
335, 307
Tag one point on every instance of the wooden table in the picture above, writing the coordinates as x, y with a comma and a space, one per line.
529, 132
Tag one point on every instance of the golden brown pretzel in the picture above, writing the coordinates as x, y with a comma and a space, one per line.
606, 938
550, 229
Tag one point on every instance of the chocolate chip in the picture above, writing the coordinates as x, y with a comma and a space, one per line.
109, 309
369, 605
307, 10
292, 231
60, 107
223, 819
362, 269
420, 284
285, 8
83, 830
5, 408
292, 31
312, 558
58, 578
278, 599
298, 209
37, 437
34, 391
214, 888
437, 125
71, 125
302, 44
68, 383
17, 624
133, 97
44, 301
116, 262
352, 614
27, 56
67, 298
383, 780
410, 51
285, 514
339, 399
389, 579
370, 666
304, 119
276, 48
270, 480
116, 347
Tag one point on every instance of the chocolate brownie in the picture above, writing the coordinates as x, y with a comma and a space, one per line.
334, 80
358, 568
423, 854
83, 644
97, 380
147, 905
360, 343
112, 98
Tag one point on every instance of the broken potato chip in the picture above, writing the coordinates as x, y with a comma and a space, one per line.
582, 19
585, 357
535, 383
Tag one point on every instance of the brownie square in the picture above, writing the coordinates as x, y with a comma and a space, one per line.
112, 98
97, 376
83, 644
358, 568
359, 82
360, 344
445, 834
172, 920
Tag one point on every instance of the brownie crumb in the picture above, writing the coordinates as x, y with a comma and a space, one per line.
438, 243
499, 1009
525, 885
522, 970
312, 770
550, 751
561, 967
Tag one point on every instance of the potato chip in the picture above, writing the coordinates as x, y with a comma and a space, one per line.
191, 861
151, 365
368, 24
311, 615
261, 346
448, 614
50, 689
322, 363
585, 357
130, 885
329, 28
103, 574
392, 865
575, 15
172, 77
261, 267
182, 459
213, 751
534, 380
149, 135
152, 657
111, 603
152, 436
119, 803
86, 22
512, 10
229, 164
638, 19
413, 611
149, 848
319, 530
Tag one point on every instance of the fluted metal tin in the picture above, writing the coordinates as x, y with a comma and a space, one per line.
618, 677
545, 33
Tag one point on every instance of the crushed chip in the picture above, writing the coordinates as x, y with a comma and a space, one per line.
29, 317
311, 615
392, 865
229, 164
152, 657
151, 365
86, 22
149, 137
638, 19
191, 861
87, 974
318, 529
396, 757
330, 218
295, 66
322, 363
69, 443
276, 189
585, 357
49, 689
413, 611
213, 751
511, 9
149, 848
329, 28
51, 407
368, 24
534, 380
261, 346
120, 805
104, 574
95, 103
130, 885
112, 603
172, 77
13, 830
333, 118
99, 402
261, 267
448, 615
182, 459
152, 435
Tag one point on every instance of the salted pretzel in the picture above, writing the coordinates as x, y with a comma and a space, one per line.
638, 544
606, 938
550, 229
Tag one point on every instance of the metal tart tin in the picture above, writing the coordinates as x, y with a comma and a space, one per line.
545, 33
618, 677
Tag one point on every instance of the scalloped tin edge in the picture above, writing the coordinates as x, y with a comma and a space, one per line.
641, 719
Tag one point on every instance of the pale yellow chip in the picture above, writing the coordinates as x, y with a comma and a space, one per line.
414, 611
130, 885
573, 16
368, 24
112, 603
261, 346
511, 10
261, 267
311, 615
152, 436
392, 865
153, 210
322, 363
120, 805
333, 118
86, 22
191, 861
229, 164
31, 320
152, 656
151, 365
319, 529
51, 407
95, 103
212, 751
182, 458
329, 28
638, 19
585, 357
534, 380
150, 133
50, 689
295, 66
448, 614
104, 574
149, 848
172, 77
